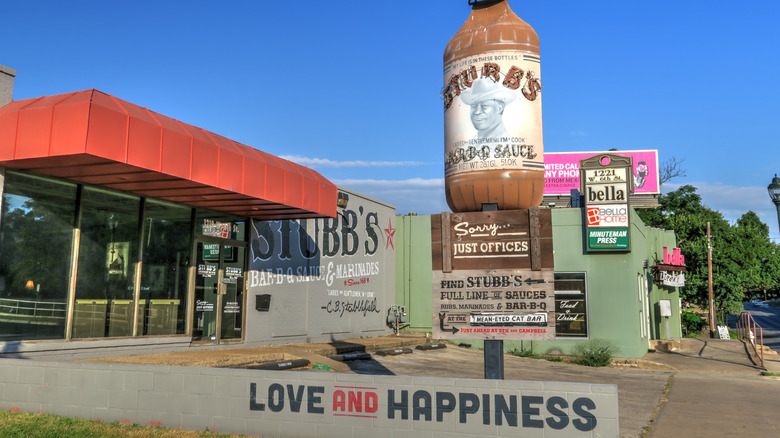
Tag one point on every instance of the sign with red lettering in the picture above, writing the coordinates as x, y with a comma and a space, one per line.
614, 215
502, 304
671, 271
493, 275
574, 409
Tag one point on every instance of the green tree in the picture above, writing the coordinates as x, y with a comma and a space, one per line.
760, 257
744, 259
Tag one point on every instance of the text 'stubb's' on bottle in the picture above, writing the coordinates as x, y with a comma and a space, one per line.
493, 112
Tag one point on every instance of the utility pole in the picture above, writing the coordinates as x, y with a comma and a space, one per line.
709, 272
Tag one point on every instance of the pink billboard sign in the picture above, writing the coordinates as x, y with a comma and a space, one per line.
562, 171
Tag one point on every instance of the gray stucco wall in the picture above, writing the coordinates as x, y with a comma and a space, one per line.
323, 279
308, 404
7, 76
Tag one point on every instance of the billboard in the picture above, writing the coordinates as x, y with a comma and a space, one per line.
562, 171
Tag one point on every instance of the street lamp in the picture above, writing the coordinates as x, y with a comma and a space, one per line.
774, 193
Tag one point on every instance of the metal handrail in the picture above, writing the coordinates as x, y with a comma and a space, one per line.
747, 327
32, 307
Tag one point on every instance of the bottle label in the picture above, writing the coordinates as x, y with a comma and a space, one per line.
493, 113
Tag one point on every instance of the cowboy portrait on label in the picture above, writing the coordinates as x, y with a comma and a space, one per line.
492, 113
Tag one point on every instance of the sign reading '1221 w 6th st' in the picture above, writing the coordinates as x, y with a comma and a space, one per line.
493, 275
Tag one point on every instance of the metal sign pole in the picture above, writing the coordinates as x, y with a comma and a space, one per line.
494, 349
494, 359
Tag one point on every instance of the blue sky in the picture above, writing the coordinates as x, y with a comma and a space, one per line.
351, 88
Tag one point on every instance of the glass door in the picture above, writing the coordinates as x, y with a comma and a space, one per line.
219, 292
232, 298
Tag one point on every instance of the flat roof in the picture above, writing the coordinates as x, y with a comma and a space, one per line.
95, 138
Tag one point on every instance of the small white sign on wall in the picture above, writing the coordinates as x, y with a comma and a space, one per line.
666, 308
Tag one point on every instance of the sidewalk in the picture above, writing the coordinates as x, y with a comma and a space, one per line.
718, 356
717, 391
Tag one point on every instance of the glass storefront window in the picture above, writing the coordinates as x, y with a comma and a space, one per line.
36, 233
571, 310
166, 249
106, 269
40, 217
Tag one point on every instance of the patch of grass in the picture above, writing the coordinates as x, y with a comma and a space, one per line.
595, 352
524, 353
649, 428
29, 425
770, 373
531, 355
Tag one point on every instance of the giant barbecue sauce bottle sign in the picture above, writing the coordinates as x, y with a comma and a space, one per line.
493, 112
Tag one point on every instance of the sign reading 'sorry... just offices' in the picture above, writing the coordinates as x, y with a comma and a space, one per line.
493, 275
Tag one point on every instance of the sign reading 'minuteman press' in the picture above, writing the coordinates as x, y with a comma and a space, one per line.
493, 275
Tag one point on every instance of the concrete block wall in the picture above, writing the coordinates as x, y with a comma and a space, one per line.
7, 76
308, 404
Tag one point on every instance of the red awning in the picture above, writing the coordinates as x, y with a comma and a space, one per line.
95, 138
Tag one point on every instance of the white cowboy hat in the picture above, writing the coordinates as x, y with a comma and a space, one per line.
485, 89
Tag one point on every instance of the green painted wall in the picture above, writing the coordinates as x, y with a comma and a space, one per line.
619, 301
414, 270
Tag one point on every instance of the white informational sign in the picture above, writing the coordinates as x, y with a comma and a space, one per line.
232, 307
723, 332
666, 308
673, 279
204, 306
604, 216
505, 319
207, 271
499, 304
604, 176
